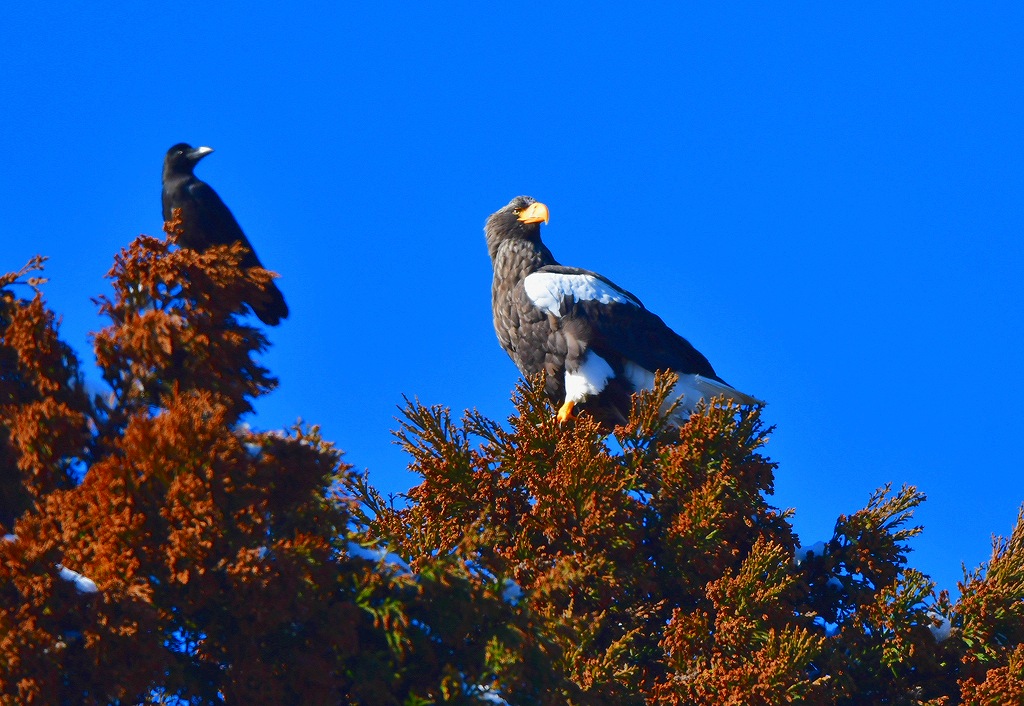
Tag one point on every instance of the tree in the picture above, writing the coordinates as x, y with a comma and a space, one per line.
658, 573
158, 550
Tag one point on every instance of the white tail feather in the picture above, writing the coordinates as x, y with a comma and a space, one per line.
692, 388
697, 386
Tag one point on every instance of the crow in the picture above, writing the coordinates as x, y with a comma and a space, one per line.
207, 221
596, 342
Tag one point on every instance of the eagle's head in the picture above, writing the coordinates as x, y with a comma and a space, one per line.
520, 219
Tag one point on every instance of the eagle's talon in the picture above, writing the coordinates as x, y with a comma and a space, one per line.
565, 412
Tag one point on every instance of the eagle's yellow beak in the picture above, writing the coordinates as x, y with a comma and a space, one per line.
534, 213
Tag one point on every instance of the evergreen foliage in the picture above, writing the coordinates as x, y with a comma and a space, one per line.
534, 563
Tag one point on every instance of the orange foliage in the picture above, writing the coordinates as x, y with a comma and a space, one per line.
175, 326
538, 562
43, 407
220, 554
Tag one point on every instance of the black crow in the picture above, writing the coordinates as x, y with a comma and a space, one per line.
206, 221
595, 341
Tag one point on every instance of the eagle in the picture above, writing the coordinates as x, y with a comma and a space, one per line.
206, 221
595, 341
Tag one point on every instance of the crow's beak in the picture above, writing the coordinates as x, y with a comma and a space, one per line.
198, 153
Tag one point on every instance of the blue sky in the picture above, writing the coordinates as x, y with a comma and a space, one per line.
827, 201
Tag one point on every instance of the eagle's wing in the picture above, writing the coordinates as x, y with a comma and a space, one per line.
615, 320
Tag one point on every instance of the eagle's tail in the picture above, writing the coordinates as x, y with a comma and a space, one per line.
696, 387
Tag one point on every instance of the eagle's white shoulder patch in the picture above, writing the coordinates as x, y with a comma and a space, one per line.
547, 290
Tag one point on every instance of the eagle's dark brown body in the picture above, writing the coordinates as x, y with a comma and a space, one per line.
595, 341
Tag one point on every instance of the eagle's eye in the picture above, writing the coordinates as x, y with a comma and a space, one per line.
516, 211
